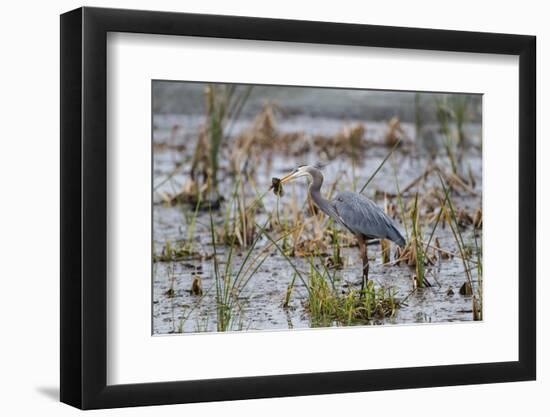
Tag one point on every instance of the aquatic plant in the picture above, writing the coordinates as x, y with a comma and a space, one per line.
478, 304
400, 200
191, 224
288, 294
418, 247
452, 220
459, 104
444, 117
175, 251
239, 227
335, 261
223, 106
328, 305
230, 283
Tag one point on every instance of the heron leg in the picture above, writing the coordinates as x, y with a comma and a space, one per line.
365, 259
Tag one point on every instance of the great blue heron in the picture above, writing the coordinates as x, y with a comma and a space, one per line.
358, 214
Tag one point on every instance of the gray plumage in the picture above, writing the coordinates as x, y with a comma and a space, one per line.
362, 216
354, 211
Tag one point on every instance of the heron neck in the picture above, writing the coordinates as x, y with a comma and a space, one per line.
319, 200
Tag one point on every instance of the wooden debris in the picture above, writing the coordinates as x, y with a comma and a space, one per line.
478, 219
466, 289
385, 250
196, 286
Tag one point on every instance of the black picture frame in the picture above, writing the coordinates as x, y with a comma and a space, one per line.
84, 207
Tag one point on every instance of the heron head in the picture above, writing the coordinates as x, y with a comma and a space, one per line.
301, 171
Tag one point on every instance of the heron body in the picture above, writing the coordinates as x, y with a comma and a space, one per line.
355, 212
362, 216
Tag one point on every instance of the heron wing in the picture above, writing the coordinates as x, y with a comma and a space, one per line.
362, 216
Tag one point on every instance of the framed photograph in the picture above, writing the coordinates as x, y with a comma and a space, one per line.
257, 208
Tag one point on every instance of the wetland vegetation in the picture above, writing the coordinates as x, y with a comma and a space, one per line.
233, 249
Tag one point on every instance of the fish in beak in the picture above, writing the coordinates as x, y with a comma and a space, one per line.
277, 183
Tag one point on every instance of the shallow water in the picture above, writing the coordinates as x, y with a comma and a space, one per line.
260, 303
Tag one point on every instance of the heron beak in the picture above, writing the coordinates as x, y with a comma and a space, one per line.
288, 177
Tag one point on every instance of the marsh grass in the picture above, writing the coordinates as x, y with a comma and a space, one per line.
231, 281
187, 312
416, 251
239, 226
335, 261
330, 306
452, 220
179, 250
191, 225
229, 284
288, 294
255, 142
394, 132
460, 109
223, 106
379, 166
418, 247
176, 251
444, 117
478, 308
353, 141
327, 304
402, 211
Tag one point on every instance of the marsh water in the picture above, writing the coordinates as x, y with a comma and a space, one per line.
260, 304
